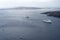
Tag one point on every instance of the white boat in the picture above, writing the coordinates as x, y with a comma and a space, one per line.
47, 21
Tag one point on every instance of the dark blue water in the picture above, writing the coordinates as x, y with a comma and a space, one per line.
15, 26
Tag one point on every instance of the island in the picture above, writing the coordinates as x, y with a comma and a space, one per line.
53, 13
15, 8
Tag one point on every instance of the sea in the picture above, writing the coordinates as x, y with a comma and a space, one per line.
27, 24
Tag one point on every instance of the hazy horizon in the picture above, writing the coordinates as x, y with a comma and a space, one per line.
29, 3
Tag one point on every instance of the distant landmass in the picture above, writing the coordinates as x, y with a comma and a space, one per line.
53, 13
22, 8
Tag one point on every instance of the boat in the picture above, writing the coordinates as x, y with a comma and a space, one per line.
47, 21
27, 16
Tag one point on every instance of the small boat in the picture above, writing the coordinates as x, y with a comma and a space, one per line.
27, 17
47, 21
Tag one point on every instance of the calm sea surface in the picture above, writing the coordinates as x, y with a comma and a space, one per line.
15, 26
